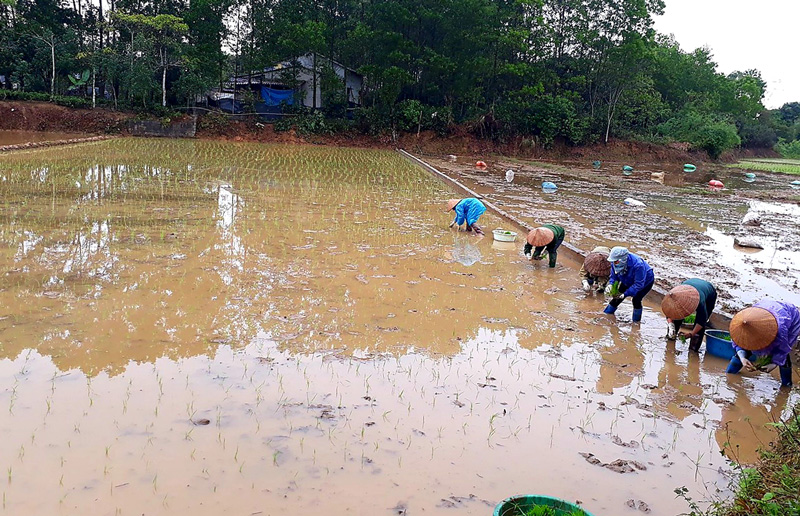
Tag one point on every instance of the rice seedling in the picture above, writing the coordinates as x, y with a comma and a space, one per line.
783, 166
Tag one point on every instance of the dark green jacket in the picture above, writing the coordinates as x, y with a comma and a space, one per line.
552, 247
708, 298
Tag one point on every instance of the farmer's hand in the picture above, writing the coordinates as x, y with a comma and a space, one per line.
586, 286
768, 368
747, 364
452, 223
528, 256
608, 289
539, 257
686, 334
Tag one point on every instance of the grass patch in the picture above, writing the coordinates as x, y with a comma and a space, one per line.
772, 487
783, 166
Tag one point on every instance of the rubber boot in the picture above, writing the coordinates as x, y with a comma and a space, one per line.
610, 309
637, 315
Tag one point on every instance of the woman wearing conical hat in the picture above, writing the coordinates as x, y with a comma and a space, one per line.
467, 211
763, 337
548, 237
596, 269
693, 296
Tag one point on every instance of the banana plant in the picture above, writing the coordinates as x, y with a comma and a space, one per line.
77, 83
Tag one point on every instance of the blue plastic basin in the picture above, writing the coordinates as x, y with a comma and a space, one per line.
718, 346
520, 504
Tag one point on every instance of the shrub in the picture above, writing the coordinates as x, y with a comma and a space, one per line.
788, 149
32, 96
701, 132
544, 116
717, 137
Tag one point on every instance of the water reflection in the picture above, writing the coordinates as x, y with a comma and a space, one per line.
276, 292
464, 252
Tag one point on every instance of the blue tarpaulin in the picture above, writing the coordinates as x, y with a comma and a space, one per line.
274, 97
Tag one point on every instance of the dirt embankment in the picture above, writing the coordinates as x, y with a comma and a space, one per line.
463, 142
43, 116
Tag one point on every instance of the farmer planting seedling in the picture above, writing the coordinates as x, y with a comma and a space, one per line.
693, 296
544, 240
763, 337
596, 270
635, 279
468, 211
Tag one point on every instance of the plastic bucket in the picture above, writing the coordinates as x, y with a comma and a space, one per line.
718, 346
519, 505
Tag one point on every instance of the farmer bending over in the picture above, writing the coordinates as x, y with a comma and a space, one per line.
693, 296
547, 237
467, 210
635, 279
596, 269
763, 336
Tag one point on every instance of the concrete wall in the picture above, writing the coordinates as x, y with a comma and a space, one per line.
183, 129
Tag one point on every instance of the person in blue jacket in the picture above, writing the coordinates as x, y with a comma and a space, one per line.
635, 279
467, 210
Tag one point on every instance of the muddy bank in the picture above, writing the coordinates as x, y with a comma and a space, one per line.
52, 143
42, 116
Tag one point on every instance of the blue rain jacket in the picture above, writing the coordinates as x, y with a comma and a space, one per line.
469, 210
634, 278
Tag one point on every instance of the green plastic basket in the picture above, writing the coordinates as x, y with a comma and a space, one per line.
521, 504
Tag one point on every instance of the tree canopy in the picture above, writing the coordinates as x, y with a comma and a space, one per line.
577, 71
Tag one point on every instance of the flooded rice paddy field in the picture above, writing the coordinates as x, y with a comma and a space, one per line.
197, 328
684, 230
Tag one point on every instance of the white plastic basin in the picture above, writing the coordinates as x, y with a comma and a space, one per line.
502, 235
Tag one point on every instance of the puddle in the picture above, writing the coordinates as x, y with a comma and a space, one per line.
199, 327
17, 137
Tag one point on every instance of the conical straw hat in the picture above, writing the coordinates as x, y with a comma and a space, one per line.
452, 203
597, 264
753, 328
680, 302
540, 236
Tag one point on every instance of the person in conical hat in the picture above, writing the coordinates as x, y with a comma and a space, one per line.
467, 211
596, 269
763, 337
635, 279
548, 237
693, 296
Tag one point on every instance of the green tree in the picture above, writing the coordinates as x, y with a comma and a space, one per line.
164, 33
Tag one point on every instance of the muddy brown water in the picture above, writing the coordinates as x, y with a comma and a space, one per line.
17, 137
346, 350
